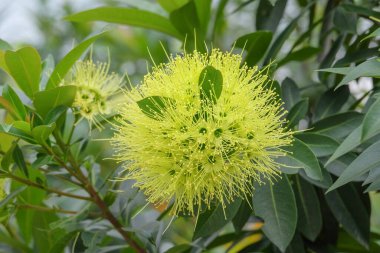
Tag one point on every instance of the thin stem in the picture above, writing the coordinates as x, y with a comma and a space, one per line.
33, 184
61, 177
47, 209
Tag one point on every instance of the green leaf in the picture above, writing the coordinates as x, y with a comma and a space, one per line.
126, 16
290, 93
255, 44
171, 5
182, 248
339, 125
371, 121
20, 129
331, 102
308, 209
296, 245
349, 210
14, 100
297, 112
185, 19
68, 61
268, 15
203, 10
18, 157
376, 33
210, 84
321, 145
155, 106
275, 204
361, 10
47, 100
24, 66
299, 55
41, 133
301, 156
344, 21
242, 216
349, 143
367, 160
215, 218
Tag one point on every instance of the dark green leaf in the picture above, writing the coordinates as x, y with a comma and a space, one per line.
371, 121
301, 156
179, 248
338, 126
296, 245
216, 218
210, 84
47, 100
68, 61
268, 15
256, 44
127, 16
331, 102
41, 133
297, 112
325, 183
361, 10
349, 210
368, 159
155, 106
344, 21
299, 55
185, 19
309, 212
290, 93
61, 243
275, 204
24, 65
321, 145
18, 157
242, 216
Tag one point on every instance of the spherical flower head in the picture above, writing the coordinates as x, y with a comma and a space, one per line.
199, 130
96, 89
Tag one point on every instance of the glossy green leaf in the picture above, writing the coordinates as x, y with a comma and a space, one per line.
216, 218
155, 106
349, 210
321, 145
20, 129
18, 158
24, 66
41, 133
171, 5
297, 112
299, 55
68, 61
47, 100
368, 159
275, 204
290, 93
203, 8
255, 44
371, 121
339, 125
211, 84
127, 16
331, 102
185, 19
308, 209
15, 102
301, 156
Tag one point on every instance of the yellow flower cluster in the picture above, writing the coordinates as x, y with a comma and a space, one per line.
96, 89
200, 129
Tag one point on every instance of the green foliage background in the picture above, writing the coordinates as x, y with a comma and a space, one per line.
327, 199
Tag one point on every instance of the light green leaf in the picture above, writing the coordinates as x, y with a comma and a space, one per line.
14, 100
367, 160
215, 218
299, 55
47, 100
276, 205
126, 16
20, 129
24, 66
171, 5
68, 61
256, 44
321, 145
41, 133
376, 33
